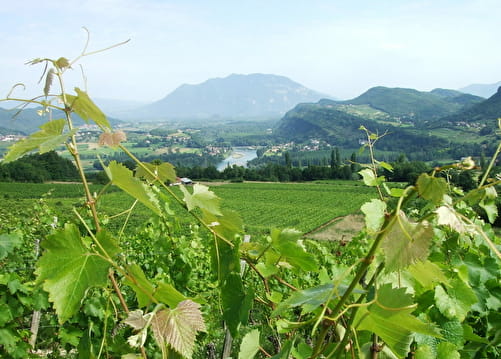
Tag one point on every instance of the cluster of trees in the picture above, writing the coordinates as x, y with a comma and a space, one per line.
39, 168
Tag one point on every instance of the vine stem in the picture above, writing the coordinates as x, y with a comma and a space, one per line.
492, 162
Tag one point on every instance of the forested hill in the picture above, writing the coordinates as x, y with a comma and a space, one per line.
483, 113
235, 96
414, 105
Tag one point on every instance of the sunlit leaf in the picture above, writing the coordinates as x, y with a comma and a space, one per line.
178, 327
122, 177
431, 188
163, 172
86, 109
47, 139
285, 242
386, 165
449, 217
68, 269
250, 345
489, 205
203, 198
369, 177
428, 274
374, 212
455, 301
447, 350
406, 242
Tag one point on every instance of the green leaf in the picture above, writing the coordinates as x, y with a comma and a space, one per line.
250, 345
488, 203
86, 109
390, 318
140, 284
166, 293
431, 188
456, 301
267, 269
109, 244
9, 242
236, 303
122, 177
227, 225
447, 350
47, 139
68, 269
202, 198
405, 242
311, 298
385, 165
369, 177
302, 351
286, 243
374, 214
163, 172
428, 274
452, 332
178, 327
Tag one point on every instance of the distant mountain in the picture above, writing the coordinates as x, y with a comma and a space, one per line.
412, 105
406, 114
235, 96
483, 90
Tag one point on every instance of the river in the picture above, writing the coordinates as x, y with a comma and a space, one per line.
239, 156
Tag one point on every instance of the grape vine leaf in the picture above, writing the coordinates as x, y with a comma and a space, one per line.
236, 302
374, 212
86, 109
447, 350
369, 178
9, 242
431, 188
140, 284
456, 301
406, 242
122, 177
67, 269
202, 198
428, 274
47, 139
390, 318
163, 172
250, 345
286, 243
488, 203
449, 217
167, 294
178, 327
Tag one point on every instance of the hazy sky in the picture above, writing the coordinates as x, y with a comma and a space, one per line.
340, 48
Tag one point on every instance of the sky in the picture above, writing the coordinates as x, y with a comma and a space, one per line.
339, 48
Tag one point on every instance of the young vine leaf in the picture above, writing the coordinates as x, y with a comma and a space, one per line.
202, 198
68, 269
178, 327
163, 172
86, 109
122, 177
431, 188
250, 345
111, 139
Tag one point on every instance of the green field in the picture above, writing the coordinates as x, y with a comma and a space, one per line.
262, 206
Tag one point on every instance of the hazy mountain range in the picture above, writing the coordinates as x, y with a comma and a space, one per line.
235, 96
258, 96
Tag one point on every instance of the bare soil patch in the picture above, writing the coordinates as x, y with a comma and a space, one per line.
339, 229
